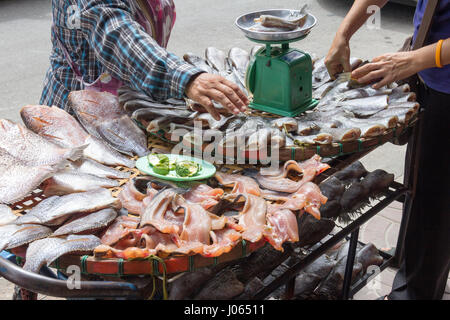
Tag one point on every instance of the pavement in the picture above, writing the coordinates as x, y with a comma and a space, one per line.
25, 48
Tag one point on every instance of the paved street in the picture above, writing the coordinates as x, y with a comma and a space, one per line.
25, 47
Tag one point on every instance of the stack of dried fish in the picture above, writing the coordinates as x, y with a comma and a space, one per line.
347, 111
209, 221
59, 225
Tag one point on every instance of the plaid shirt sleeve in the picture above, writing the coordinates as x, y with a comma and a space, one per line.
129, 53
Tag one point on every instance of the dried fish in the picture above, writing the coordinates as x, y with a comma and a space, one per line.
18, 179
199, 62
217, 59
92, 167
59, 127
32, 149
55, 210
26, 234
92, 222
101, 115
6, 215
46, 251
66, 182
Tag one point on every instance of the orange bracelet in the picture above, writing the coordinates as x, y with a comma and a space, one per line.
438, 54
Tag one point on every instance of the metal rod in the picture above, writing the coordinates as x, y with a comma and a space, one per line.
296, 268
350, 262
57, 288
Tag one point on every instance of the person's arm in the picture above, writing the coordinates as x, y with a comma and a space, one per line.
338, 58
131, 55
397, 66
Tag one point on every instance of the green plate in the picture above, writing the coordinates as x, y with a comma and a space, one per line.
207, 171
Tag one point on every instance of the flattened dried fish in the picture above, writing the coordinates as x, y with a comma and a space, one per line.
92, 167
343, 134
198, 62
55, 210
18, 179
59, 127
6, 232
287, 123
101, 115
26, 234
6, 215
366, 107
67, 182
31, 148
46, 251
217, 59
239, 59
92, 222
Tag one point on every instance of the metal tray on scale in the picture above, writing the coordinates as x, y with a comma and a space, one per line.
247, 24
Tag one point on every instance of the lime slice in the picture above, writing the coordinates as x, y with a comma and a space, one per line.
161, 169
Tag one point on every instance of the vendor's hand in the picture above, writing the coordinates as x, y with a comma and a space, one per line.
338, 58
207, 87
387, 68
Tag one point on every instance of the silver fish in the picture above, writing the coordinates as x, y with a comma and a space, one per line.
404, 114
18, 179
198, 62
366, 107
319, 138
26, 234
239, 59
92, 222
31, 148
208, 121
92, 167
55, 210
67, 182
59, 127
6, 232
305, 128
368, 128
343, 134
46, 251
216, 58
363, 92
6, 215
287, 123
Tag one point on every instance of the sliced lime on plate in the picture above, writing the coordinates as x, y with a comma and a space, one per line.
199, 170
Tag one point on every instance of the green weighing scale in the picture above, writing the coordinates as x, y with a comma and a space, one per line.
279, 77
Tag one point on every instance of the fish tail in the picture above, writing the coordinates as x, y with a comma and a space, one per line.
75, 153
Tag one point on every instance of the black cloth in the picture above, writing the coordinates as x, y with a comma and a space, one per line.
424, 270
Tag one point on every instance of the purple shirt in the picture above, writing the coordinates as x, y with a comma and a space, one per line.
436, 78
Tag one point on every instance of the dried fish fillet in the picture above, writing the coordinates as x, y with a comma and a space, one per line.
67, 182
55, 210
92, 222
26, 234
46, 251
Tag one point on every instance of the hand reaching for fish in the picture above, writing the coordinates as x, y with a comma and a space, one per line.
207, 87
338, 58
388, 68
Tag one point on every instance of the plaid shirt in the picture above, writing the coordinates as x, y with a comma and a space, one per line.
102, 36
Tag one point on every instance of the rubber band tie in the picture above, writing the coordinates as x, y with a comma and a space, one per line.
191, 263
341, 149
215, 261
83, 264
292, 153
318, 150
120, 267
359, 145
158, 260
244, 248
